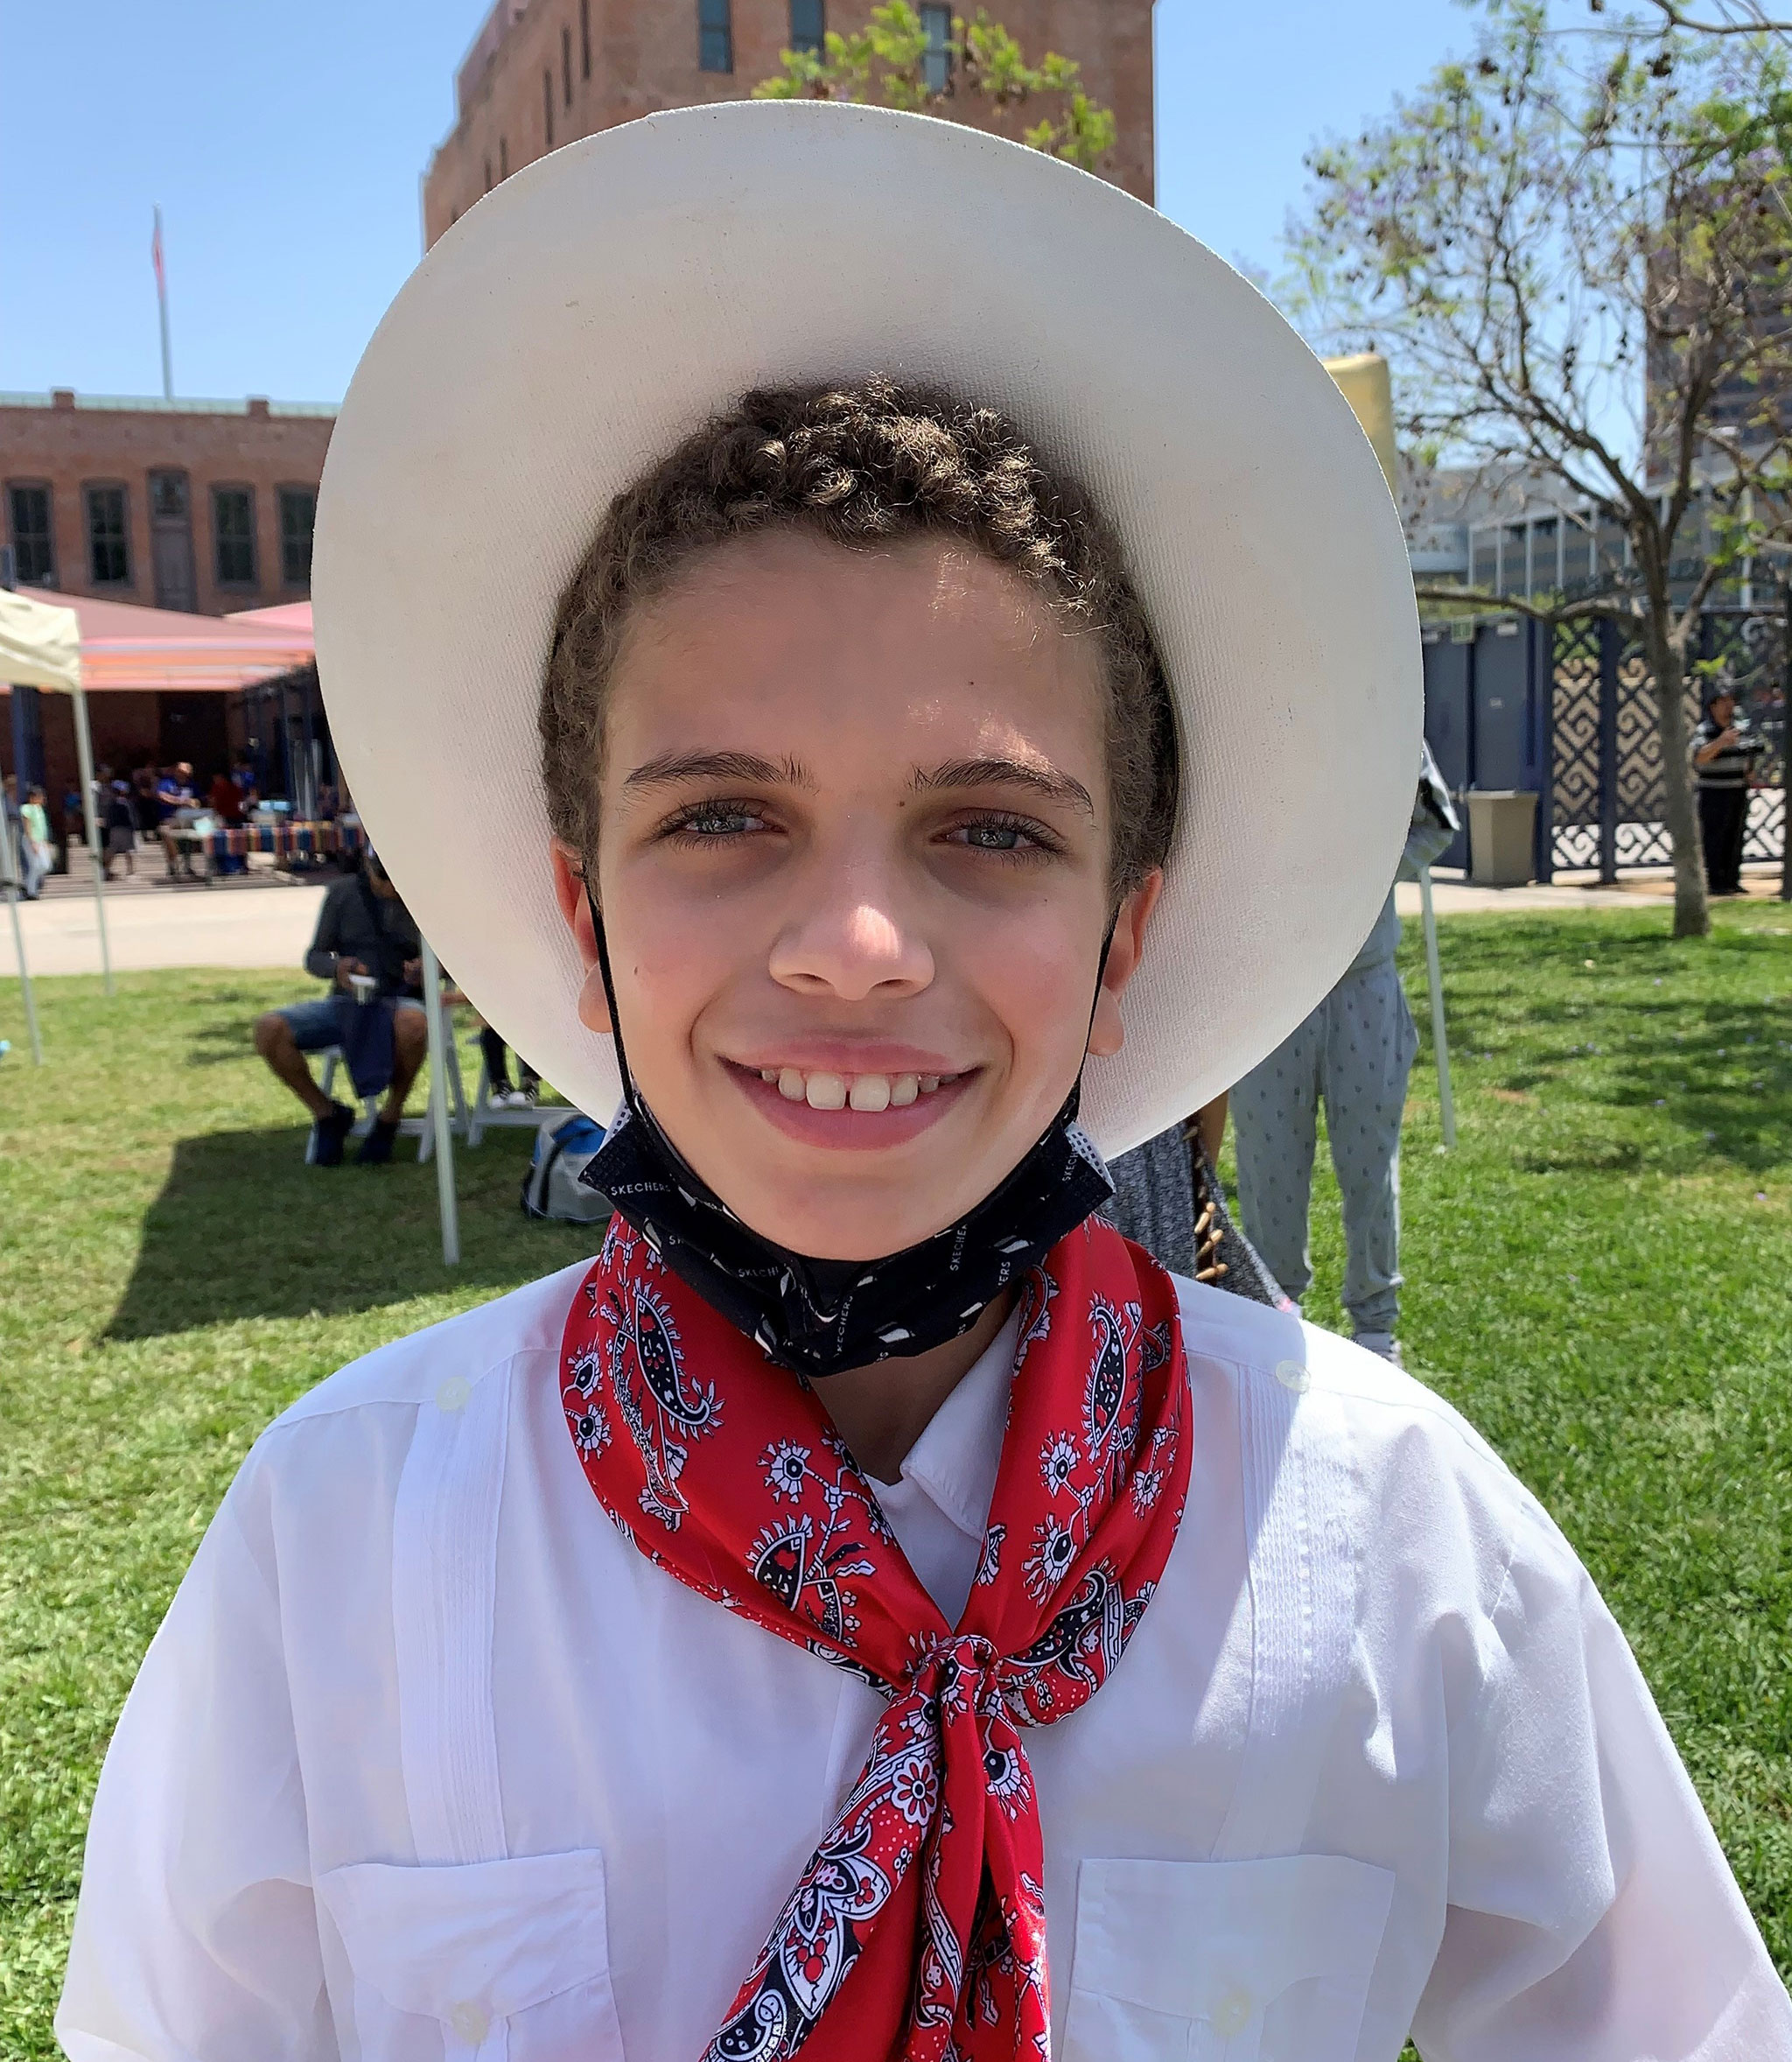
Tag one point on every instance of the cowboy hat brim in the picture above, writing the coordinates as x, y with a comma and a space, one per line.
600, 304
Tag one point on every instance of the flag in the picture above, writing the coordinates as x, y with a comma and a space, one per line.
156, 256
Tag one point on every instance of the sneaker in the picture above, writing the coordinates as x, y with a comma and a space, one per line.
323, 1148
376, 1148
527, 1096
1384, 1345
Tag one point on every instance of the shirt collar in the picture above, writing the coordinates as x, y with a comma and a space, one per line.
956, 1459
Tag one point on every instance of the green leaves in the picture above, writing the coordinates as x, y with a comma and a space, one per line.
892, 62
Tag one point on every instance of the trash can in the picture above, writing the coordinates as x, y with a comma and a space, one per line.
1502, 834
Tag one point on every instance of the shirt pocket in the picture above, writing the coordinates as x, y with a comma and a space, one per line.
1224, 1962
483, 1962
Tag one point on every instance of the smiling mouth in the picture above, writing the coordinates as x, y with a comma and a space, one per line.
868, 1093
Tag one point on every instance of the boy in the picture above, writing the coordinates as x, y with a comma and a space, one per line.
872, 1609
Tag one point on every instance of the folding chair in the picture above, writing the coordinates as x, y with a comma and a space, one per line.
423, 1129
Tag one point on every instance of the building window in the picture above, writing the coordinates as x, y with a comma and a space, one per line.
936, 65
108, 552
566, 64
714, 35
298, 513
809, 25
548, 105
233, 535
33, 546
585, 39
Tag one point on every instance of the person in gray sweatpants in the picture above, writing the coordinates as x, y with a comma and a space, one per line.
1354, 1054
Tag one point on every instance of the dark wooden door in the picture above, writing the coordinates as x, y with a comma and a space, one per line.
170, 540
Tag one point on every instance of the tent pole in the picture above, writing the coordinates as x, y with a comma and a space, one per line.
1434, 980
440, 1059
84, 750
9, 873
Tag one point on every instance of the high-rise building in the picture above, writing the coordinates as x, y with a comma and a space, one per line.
541, 72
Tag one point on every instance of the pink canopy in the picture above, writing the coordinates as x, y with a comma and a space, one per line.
124, 646
285, 615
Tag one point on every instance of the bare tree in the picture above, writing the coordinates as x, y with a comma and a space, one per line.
1721, 17
1576, 253
894, 61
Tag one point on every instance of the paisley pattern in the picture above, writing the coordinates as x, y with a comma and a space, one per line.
918, 1926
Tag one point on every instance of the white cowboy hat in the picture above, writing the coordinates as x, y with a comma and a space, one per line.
598, 305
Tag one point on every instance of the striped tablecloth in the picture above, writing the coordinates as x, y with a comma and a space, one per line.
286, 841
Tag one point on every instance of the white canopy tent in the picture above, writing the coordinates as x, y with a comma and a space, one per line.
40, 647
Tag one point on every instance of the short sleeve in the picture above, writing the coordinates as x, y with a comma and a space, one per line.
196, 1934
1592, 1916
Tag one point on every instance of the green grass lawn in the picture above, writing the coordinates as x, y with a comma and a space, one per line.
1600, 1276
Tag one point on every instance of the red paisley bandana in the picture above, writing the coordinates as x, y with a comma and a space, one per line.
922, 1912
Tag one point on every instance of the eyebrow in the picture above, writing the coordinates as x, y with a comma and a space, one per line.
1006, 773
719, 766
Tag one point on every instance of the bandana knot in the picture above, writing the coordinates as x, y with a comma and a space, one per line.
920, 1916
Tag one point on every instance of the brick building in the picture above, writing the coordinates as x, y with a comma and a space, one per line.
204, 506
540, 73
201, 506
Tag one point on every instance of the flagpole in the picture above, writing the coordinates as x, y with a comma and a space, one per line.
162, 305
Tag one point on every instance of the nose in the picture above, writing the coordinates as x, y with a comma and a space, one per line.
852, 937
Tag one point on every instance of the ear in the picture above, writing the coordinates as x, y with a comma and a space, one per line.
1106, 1033
576, 912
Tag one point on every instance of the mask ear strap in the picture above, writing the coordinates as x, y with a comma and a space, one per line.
629, 1094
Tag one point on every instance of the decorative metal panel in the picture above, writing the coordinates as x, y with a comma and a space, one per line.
1607, 806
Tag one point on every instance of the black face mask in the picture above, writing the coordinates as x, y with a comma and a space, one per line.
817, 1317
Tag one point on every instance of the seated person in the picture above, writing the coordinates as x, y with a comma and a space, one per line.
362, 928
501, 1095
224, 799
176, 806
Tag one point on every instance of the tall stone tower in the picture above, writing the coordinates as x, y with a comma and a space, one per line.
541, 72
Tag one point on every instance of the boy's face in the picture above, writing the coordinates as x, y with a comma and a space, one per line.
854, 872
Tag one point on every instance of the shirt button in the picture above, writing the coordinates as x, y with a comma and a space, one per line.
1292, 1374
1231, 2013
453, 1393
469, 2021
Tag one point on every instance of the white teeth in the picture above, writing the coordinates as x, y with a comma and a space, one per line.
872, 1093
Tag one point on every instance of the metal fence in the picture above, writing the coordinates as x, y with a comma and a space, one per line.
1603, 806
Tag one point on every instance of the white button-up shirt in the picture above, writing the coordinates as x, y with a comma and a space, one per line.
427, 1762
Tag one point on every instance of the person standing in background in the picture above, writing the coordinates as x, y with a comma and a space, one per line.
1725, 748
38, 856
120, 828
1353, 1053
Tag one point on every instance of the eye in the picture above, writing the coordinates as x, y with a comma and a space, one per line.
711, 820
1009, 837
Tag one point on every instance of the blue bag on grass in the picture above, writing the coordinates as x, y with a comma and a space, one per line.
564, 1145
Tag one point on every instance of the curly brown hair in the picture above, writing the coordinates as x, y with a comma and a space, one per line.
863, 466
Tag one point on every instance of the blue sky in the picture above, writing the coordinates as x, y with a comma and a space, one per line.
285, 145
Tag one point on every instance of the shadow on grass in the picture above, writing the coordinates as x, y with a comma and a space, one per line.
243, 1228
1607, 1027
214, 1041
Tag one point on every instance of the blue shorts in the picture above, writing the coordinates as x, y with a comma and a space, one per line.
313, 1024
